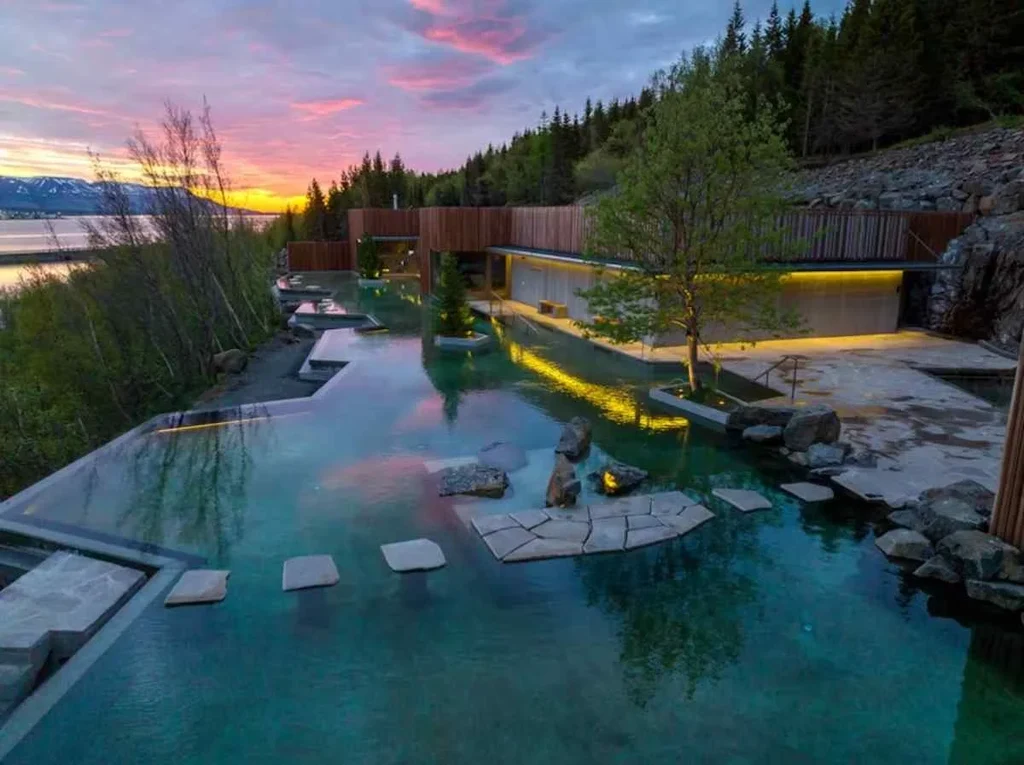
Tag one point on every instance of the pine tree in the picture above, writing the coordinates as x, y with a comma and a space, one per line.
368, 257
452, 317
314, 218
735, 40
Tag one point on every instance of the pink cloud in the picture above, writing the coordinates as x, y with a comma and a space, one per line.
438, 75
11, 71
430, 6
38, 102
324, 108
481, 27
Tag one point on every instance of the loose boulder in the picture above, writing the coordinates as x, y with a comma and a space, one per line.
815, 424
971, 492
231, 361
763, 434
1002, 594
944, 516
904, 543
907, 519
563, 486
618, 478
826, 455
575, 439
473, 480
745, 417
975, 554
939, 568
503, 456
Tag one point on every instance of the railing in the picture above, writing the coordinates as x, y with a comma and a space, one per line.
766, 374
493, 296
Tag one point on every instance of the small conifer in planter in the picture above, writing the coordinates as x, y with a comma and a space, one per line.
370, 265
452, 317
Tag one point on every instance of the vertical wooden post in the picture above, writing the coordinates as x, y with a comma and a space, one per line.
1008, 514
488, 275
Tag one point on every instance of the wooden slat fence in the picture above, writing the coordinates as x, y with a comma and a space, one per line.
563, 229
319, 256
464, 229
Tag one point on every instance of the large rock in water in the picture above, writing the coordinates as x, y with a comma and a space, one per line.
973, 493
763, 434
502, 455
815, 424
618, 478
944, 516
563, 486
975, 554
474, 480
575, 439
904, 543
231, 361
752, 416
1002, 594
826, 455
939, 568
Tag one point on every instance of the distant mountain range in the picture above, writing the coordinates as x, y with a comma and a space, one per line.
49, 195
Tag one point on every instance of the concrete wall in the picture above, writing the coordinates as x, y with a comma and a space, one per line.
832, 304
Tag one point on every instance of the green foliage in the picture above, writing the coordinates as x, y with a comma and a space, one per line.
695, 208
452, 317
314, 218
370, 263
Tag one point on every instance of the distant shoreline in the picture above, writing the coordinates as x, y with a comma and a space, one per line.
51, 256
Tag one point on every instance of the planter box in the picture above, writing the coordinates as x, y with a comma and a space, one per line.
475, 342
699, 413
372, 283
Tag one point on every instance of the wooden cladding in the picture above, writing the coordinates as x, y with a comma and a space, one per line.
319, 256
1008, 514
562, 229
464, 229
931, 233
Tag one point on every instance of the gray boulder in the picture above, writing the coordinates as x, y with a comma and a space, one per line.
231, 361
618, 478
745, 417
815, 424
944, 516
826, 455
973, 493
975, 554
861, 458
907, 519
563, 486
474, 480
939, 568
502, 455
575, 439
1002, 594
763, 434
904, 543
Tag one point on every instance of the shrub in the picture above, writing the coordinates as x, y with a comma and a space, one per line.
370, 264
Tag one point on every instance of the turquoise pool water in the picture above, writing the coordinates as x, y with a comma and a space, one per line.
783, 636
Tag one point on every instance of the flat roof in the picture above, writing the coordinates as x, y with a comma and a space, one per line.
408, 238
793, 266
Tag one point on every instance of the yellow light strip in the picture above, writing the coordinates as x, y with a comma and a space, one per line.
832, 276
224, 423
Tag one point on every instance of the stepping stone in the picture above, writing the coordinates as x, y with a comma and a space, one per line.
809, 492
642, 522
578, 513
570, 531
309, 571
638, 505
643, 537
606, 535
689, 519
488, 524
743, 499
199, 586
530, 518
539, 549
436, 466
501, 543
414, 555
671, 503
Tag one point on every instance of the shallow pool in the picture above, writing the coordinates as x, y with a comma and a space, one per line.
783, 636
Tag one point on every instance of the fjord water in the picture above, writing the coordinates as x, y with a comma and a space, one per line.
782, 636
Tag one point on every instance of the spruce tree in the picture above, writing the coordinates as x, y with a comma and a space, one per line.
314, 219
370, 265
452, 317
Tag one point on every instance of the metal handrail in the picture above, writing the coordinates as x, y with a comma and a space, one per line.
512, 311
796, 359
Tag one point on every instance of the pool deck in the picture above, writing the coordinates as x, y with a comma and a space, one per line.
927, 432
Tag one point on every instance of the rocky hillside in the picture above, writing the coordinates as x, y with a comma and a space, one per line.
980, 173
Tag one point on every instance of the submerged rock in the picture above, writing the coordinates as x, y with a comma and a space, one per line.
1002, 594
745, 417
618, 478
815, 424
575, 439
563, 486
474, 480
975, 554
763, 434
904, 543
231, 361
945, 516
939, 568
502, 455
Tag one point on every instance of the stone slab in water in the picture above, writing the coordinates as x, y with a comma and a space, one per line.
689, 519
642, 522
501, 543
199, 586
671, 503
637, 505
530, 518
309, 571
809, 492
570, 531
743, 499
643, 537
488, 524
541, 549
606, 535
57, 606
413, 555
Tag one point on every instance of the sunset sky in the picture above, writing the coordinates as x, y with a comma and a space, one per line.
304, 88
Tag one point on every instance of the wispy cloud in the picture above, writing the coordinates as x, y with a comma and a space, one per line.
442, 74
488, 28
41, 102
327, 107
